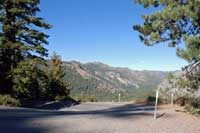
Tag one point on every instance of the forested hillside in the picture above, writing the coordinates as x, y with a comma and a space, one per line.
102, 82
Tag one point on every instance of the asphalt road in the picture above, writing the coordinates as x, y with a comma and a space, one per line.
97, 118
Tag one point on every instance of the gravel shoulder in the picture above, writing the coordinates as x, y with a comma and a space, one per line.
98, 118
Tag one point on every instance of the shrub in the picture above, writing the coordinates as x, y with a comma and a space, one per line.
192, 105
61, 98
85, 98
181, 101
192, 110
152, 99
7, 100
194, 102
186, 101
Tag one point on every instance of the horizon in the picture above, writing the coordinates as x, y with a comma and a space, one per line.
102, 31
116, 66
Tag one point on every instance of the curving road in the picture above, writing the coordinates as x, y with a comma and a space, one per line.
97, 118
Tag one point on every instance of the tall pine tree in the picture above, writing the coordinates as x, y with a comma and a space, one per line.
19, 39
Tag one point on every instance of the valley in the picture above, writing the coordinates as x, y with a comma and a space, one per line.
101, 82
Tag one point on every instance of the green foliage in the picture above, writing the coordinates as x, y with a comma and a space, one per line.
133, 94
85, 98
22, 54
7, 100
178, 85
181, 101
192, 50
20, 36
151, 100
194, 102
19, 22
193, 106
170, 76
183, 83
57, 88
104, 88
29, 81
129, 94
192, 110
55, 70
176, 20
62, 98
180, 81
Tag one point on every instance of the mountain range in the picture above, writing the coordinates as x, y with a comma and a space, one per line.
105, 82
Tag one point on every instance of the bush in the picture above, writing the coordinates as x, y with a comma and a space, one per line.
194, 102
85, 98
7, 100
152, 99
192, 105
192, 110
186, 101
181, 101
57, 90
61, 98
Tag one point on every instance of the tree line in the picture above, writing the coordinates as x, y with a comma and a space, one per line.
25, 70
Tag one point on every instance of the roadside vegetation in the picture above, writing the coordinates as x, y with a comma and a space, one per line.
7, 100
26, 72
176, 23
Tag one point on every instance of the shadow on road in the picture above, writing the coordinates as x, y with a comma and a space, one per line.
18, 120
160, 115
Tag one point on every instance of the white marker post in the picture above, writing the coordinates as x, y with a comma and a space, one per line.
156, 104
119, 97
172, 99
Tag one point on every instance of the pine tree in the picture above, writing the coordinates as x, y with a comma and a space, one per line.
29, 80
19, 39
55, 67
176, 22
57, 88
191, 53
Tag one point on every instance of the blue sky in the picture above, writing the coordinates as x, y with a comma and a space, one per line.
101, 30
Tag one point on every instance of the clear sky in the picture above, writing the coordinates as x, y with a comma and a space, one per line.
101, 30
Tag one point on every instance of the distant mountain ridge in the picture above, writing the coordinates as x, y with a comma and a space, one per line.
93, 77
